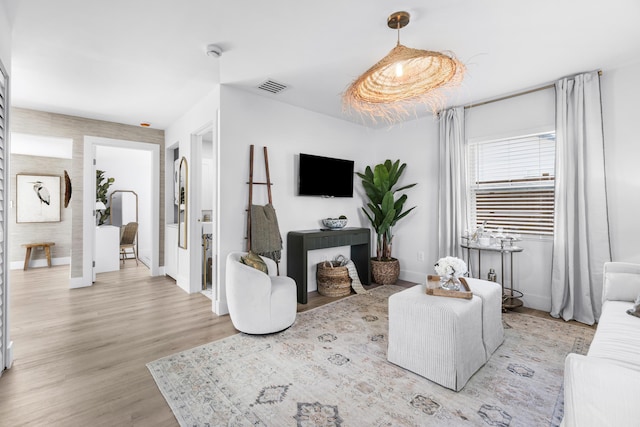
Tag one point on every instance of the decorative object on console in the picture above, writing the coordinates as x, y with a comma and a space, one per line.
99, 207
335, 223
405, 77
450, 269
384, 213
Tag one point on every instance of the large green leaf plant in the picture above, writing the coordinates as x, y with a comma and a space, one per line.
102, 188
384, 209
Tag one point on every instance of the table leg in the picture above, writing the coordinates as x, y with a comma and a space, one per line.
502, 269
26, 259
47, 251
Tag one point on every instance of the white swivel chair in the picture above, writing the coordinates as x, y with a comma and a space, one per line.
259, 303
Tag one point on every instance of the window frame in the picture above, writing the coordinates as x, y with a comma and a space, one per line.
474, 223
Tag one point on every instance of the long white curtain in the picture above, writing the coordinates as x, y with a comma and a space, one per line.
452, 190
581, 236
4, 130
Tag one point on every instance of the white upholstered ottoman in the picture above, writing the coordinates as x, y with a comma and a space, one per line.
491, 295
437, 337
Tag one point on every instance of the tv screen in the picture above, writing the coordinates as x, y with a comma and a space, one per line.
325, 176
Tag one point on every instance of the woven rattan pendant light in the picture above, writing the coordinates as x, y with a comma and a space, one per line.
405, 78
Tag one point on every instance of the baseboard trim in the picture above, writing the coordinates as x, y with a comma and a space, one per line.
412, 276
35, 263
9, 354
79, 282
220, 308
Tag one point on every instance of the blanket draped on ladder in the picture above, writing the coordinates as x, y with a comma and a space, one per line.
265, 233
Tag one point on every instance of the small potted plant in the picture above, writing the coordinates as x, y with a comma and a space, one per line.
384, 211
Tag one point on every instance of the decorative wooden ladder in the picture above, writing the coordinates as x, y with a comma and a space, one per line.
251, 183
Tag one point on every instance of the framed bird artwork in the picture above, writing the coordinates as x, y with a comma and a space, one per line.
37, 198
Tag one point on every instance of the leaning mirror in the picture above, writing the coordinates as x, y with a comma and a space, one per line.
182, 205
124, 207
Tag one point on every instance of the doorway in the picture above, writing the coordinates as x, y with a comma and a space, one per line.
150, 184
207, 189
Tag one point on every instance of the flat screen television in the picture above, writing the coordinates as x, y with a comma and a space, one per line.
325, 176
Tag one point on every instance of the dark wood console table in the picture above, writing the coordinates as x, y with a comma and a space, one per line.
300, 242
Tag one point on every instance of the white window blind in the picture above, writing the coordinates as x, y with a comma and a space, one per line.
512, 183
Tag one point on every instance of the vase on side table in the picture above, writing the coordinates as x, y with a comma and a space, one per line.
450, 283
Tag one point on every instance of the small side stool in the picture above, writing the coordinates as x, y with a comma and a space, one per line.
47, 250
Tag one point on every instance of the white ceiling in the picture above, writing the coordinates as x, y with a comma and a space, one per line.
132, 61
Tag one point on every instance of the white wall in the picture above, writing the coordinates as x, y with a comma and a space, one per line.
287, 131
182, 132
620, 96
131, 170
416, 144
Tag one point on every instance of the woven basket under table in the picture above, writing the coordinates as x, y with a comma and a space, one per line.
333, 279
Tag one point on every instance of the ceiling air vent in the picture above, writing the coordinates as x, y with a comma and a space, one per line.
272, 86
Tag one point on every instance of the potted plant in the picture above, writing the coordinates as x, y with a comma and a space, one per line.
384, 211
101, 195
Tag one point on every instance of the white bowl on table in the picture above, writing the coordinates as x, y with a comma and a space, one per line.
334, 224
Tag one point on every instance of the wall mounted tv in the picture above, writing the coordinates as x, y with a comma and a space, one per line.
325, 176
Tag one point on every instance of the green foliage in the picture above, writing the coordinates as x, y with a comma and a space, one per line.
384, 209
101, 195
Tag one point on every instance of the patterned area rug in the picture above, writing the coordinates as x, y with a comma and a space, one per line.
330, 369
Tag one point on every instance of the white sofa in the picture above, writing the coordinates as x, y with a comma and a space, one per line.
603, 388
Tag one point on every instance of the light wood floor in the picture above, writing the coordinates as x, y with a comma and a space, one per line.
80, 354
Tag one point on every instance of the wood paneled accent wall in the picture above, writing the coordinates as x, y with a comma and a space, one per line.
58, 125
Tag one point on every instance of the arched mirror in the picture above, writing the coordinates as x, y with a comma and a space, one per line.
183, 186
124, 207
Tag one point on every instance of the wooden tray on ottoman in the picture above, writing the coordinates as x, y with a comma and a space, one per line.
438, 291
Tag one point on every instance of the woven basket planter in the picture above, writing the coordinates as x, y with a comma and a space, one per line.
333, 279
385, 272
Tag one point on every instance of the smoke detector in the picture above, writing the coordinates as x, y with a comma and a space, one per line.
214, 50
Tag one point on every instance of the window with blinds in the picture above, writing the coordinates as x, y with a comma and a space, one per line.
511, 183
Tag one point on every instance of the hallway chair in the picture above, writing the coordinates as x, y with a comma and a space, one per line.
128, 242
259, 303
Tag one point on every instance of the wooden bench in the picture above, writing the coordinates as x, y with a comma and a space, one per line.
47, 250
